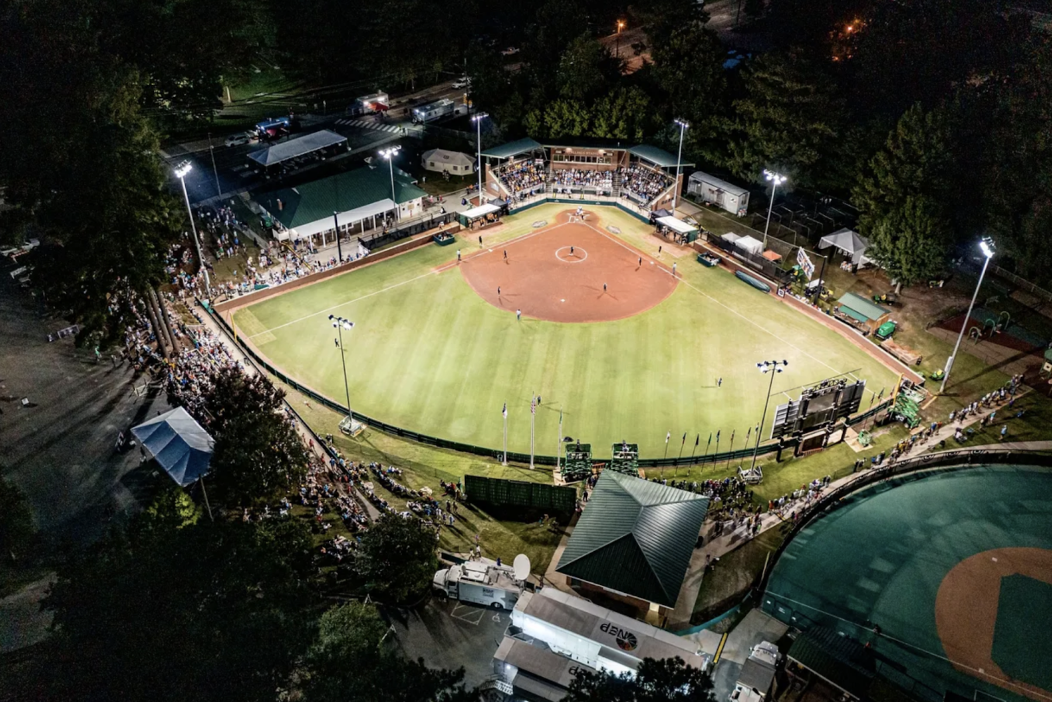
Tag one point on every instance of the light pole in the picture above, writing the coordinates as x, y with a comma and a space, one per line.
987, 246
336, 228
477, 119
776, 180
339, 324
617, 41
215, 172
389, 154
180, 172
683, 124
771, 367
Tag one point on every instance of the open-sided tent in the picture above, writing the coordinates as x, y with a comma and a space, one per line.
178, 443
750, 245
687, 231
848, 242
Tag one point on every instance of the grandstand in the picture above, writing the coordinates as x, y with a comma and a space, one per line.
641, 177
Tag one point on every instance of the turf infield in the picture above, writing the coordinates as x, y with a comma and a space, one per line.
428, 354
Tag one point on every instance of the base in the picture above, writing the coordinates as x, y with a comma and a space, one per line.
351, 427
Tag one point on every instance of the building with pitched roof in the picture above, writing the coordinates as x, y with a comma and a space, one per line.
634, 541
361, 200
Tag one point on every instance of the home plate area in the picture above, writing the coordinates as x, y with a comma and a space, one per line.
558, 274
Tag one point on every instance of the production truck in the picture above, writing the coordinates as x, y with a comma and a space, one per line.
484, 582
434, 110
757, 675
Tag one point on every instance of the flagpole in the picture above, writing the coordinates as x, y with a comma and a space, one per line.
559, 443
504, 462
715, 456
693, 450
730, 450
533, 422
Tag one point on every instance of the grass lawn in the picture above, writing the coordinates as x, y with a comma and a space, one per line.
501, 534
430, 355
733, 573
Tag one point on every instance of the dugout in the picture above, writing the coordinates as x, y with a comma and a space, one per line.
860, 312
677, 229
479, 217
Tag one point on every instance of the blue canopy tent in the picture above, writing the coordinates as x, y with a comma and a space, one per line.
179, 444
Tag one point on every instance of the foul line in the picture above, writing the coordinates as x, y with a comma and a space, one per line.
436, 271
730, 309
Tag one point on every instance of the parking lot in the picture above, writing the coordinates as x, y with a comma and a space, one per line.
451, 634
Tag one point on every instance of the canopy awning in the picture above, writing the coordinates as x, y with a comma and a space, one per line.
294, 148
676, 225
847, 241
480, 211
178, 443
346, 218
514, 148
748, 243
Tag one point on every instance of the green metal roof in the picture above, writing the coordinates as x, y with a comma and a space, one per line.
840, 660
513, 148
318, 199
864, 310
635, 537
657, 156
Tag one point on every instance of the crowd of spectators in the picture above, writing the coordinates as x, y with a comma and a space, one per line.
642, 183
567, 180
523, 178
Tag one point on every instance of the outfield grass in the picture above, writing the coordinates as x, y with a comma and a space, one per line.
429, 355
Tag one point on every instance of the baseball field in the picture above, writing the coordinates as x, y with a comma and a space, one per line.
946, 575
610, 338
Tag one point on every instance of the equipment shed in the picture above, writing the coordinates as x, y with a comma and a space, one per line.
860, 310
730, 197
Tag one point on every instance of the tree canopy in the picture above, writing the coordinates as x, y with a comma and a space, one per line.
16, 521
396, 559
664, 680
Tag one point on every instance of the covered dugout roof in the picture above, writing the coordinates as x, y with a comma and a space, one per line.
635, 537
858, 307
839, 660
293, 148
480, 211
659, 157
513, 148
676, 225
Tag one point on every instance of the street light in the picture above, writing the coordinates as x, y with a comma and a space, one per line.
180, 172
620, 26
776, 180
771, 367
339, 324
477, 119
683, 125
987, 247
389, 155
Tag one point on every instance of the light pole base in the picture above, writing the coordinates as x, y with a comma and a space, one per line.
351, 427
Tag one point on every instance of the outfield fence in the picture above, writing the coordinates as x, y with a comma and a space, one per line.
497, 454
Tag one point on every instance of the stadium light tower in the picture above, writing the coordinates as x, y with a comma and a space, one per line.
339, 324
389, 154
987, 246
683, 125
180, 172
772, 367
477, 119
776, 180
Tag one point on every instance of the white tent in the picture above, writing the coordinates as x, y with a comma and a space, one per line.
753, 246
676, 225
848, 242
178, 443
730, 237
480, 211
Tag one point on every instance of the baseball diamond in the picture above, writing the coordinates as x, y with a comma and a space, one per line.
944, 574
438, 351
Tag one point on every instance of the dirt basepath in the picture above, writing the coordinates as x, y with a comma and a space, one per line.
568, 272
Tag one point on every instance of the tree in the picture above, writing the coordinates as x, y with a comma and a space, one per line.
258, 455
1018, 192
561, 118
624, 113
664, 17
586, 70
688, 71
349, 661
16, 521
903, 197
396, 560
789, 120
218, 609
664, 680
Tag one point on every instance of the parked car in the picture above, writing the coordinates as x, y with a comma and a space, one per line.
510, 51
238, 140
462, 82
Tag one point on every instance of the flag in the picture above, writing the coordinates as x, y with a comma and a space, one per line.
697, 440
684, 442
717, 436
732, 435
748, 434
505, 410
668, 435
710, 439
533, 405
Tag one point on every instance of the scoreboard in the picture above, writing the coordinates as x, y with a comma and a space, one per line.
818, 406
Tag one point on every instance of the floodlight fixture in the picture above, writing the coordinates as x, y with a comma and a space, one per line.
183, 168
776, 178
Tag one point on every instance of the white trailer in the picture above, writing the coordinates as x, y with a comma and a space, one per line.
730, 197
378, 102
434, 110
757, 675
483, 582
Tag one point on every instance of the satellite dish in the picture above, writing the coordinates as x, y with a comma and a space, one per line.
521, 566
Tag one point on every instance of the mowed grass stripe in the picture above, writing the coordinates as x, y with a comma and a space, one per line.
431, 356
